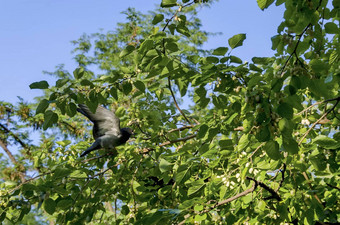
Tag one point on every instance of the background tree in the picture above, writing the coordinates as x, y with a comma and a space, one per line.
257, 144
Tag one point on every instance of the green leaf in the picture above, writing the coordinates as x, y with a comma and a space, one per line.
236, 40
183, 30
39, 85
158, 18
285, 110
332, 28
263, 4
78, 73
318, 65
201, 92
202, 131
272, 150
50, 118
165, 166
127, 51
127, 88
182, 86
220, 51
172, 46
262, 60
49, 206
61, 82
196, 186
231, 118
125, 210
78, 174
113, 92
319, 162
86, 82
146, 46
235, 59
200, 217
43, 105
71, 109
61, 172
290, 145
334, 56
182, 174
243, 142
65, 204
263, 134
326, 142
168, 3
139, 85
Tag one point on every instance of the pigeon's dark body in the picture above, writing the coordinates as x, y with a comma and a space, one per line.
106, 129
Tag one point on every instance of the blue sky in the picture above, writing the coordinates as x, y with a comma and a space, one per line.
36, 35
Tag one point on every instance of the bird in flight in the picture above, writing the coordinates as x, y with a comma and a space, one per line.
106, 129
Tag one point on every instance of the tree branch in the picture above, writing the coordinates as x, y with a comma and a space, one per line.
178, 140
295, 48
283, 176
337, 99
181, 128
310, 186
318, 103
175, 14
235, 197
273, 193
173, 96
14, 161
13, 135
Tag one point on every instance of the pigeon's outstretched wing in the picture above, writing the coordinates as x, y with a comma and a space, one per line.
105, 122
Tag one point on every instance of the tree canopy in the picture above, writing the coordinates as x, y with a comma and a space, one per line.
255, 142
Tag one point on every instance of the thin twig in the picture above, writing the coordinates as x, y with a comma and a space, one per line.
175, 14
258, 147
178, 140
27, 181
310, 186
14, 161
332, 186
306, 109
175, 101
97, 157
313, 125
236, 196
13, 135
273, 193
181, 128
295, 48
283, 176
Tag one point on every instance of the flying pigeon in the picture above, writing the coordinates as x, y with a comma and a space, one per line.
106, 129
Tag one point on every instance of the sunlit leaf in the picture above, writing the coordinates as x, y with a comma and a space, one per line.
50, 118
220, 51
236, 40
196, 186
272, 150
263, 4
39, 85
158, 18
168, 3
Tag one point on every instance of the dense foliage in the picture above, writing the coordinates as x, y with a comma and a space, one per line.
219, 139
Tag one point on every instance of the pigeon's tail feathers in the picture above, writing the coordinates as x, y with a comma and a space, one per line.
85, 153
96, 145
